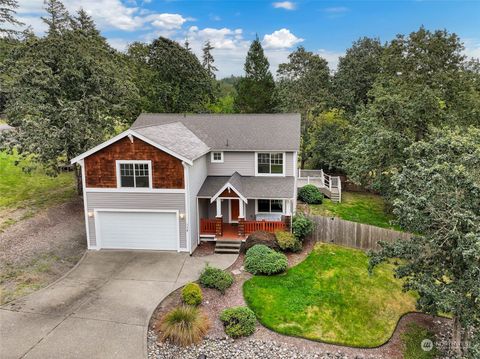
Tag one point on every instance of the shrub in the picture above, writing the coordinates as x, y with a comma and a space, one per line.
184, 325
288, 242
216, 278
310, 194
301, 226
263, 260
412, 339
261, 237
192, 294
238, 321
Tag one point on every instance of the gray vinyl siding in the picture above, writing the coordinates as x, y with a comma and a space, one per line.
132, 200
212, 209
196, 176
241, 162
250, 210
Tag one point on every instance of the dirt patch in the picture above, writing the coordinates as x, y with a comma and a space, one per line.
214, 303
36, 251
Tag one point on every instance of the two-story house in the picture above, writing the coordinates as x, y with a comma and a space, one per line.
173, 179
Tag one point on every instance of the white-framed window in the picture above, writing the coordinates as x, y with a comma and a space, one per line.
270, 163
269, 206
217, 157
134, 174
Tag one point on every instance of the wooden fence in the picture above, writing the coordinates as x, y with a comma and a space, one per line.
352, 234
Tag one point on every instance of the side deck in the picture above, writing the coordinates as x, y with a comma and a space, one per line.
330, 186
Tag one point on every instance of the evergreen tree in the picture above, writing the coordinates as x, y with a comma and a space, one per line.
255, 91
186, 45
7, 16
58, 19
208, 59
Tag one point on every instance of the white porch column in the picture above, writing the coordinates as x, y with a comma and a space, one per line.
241, 211
288, 207
219, 207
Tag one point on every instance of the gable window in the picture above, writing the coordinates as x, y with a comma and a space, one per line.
217, 157
134, 174
270, 163
270, 206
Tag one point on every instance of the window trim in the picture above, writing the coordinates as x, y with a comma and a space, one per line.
134, 189
270, 199
283, 174
214, 160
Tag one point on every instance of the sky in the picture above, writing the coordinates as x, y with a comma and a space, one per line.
324, 27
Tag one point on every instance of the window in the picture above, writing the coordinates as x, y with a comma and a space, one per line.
270, 206
217, 157
134, 174
270, 163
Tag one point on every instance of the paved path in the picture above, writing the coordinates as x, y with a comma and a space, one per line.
101, 308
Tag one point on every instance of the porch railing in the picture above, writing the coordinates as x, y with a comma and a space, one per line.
207, 225
268, 226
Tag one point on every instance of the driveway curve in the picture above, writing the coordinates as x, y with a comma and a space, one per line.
101, 308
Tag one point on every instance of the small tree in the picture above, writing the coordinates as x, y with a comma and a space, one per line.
438, 197
7, 16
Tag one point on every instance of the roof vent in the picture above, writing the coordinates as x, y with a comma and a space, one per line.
226, 143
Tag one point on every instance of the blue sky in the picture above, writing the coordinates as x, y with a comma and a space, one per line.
325, 27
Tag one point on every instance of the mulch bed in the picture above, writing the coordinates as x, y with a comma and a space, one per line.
214, 302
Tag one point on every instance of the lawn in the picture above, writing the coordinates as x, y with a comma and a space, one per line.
330, 297
358, 207
27, 187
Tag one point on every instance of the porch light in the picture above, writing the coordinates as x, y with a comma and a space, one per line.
90, 214
182, 215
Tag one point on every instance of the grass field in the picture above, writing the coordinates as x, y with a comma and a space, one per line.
412, 342
27, 187
357, 207
330, 297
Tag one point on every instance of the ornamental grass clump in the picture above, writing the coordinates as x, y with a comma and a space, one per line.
184, 326
263, 260
216, 278
192, 294
238, 321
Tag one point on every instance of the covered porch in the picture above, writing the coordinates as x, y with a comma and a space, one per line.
228, 214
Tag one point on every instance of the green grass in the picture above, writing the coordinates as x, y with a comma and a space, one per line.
412, 342
330, 297
26, 188
357, 207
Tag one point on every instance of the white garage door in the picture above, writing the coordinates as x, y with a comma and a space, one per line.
137, 230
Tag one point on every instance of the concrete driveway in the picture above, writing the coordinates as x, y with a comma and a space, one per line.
101, 308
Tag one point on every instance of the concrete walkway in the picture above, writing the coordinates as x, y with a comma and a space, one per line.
101, 308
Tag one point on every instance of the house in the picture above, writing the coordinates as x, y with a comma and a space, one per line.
172, 180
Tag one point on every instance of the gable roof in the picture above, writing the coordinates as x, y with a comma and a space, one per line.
234, 132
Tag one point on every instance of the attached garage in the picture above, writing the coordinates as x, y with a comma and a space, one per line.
157, 230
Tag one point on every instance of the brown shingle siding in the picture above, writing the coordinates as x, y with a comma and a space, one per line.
100, 168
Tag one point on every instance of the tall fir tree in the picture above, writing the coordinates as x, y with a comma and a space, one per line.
208, 59
256, 91
7, 16
58, 20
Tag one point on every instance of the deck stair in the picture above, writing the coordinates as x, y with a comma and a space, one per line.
227, 246
330, 186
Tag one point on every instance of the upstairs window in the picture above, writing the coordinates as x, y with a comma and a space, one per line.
135, 174
217, 157
270, 163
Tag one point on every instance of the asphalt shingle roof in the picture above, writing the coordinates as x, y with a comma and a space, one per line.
250, 187
234, 132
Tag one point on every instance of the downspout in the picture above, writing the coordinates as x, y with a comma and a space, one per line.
188, 231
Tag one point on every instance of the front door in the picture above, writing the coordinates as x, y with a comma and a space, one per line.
234, 210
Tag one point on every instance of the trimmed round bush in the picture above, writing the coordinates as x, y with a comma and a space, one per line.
238, 321
184, 325
192, 294
288, 242
263, 260
216, 278
310, 194
261, 237
301, 226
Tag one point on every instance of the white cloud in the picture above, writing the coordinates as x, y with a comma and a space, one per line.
332, 57
336, 9
287, 5
119, 44
280, 39
472, 48
166, 21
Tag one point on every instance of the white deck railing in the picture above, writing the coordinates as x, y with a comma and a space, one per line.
321, 180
